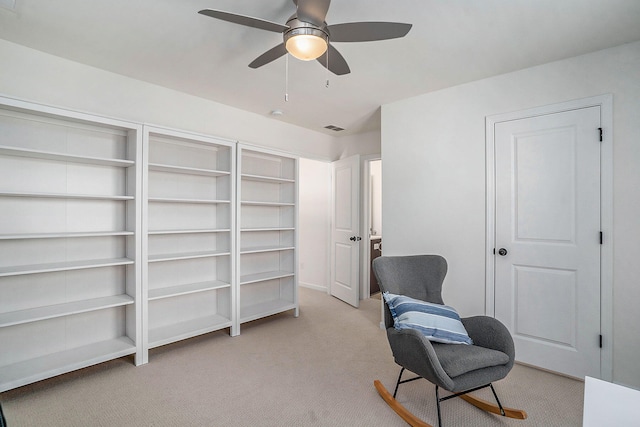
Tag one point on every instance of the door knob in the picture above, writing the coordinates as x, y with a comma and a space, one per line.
502, 252
355, 238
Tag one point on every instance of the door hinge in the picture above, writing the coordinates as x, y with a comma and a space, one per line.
600, 130
600, 341
601, 237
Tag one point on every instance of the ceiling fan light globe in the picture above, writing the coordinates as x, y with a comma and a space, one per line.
306, 47
305, 41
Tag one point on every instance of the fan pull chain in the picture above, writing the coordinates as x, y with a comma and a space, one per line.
327, 69
286, 79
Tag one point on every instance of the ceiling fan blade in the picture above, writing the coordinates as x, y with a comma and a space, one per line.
268, 56
337, 64
313, 11
245, 20
367, 31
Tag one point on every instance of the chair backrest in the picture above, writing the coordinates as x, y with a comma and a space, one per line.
416, 276
3, 421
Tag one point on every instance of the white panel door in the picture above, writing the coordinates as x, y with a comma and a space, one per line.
547, 261
345, 238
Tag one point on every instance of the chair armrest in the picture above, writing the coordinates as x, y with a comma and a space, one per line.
413, 351
490, 333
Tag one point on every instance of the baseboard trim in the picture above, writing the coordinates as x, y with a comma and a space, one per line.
312, 286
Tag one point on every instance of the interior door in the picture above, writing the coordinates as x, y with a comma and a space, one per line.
345, 236
547, 260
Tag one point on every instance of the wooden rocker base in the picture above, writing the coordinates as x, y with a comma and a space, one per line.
518, 414
404, 413
414, 421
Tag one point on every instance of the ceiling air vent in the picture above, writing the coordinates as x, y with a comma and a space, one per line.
334, 128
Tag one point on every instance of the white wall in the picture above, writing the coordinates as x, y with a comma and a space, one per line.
433, 151
31, 75
314, 237
363, 144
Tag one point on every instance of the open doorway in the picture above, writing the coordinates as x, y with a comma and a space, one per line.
372, 204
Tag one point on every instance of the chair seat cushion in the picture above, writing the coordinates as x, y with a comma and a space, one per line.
460, 359
437, 322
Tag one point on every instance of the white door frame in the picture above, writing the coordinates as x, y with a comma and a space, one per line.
365, 273
605, 102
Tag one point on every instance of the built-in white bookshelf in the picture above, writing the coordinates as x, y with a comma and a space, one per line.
267, 235
189, 247
70, 243
116, 238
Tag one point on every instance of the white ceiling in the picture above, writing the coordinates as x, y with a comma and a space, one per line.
168, 43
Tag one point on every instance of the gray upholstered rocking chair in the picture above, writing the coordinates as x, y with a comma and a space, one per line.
457, 368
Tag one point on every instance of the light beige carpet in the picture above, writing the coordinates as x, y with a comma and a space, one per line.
315, 370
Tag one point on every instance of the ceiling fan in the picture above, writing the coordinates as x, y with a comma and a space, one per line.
307, 36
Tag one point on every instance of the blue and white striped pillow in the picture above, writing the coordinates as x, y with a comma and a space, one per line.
437, 322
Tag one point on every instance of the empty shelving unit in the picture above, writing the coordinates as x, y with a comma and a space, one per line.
189, 245
70, 242
267, 234
117, 237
